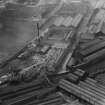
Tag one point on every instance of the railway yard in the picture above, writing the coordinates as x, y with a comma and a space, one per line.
52, 52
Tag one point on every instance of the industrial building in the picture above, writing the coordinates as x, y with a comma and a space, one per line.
52, 52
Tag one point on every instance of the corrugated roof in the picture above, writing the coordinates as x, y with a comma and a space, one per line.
76, 20
64, 21
68, 21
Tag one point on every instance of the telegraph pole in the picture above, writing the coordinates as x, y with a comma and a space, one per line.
38, 34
